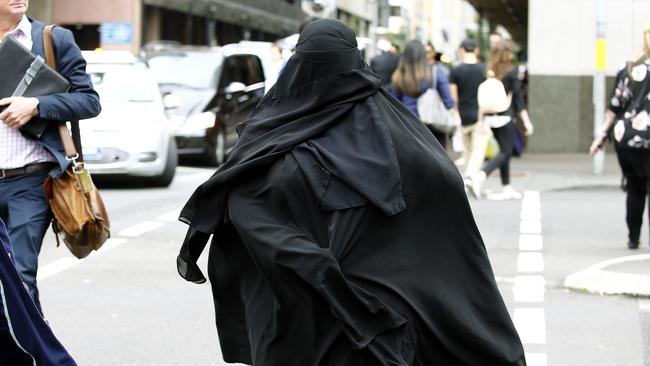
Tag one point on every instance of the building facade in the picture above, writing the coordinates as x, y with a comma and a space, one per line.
129, 24
562, 62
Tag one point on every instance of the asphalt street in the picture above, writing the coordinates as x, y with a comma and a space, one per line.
126, 305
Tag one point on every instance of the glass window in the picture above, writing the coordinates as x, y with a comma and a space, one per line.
254, 71
246, 69
232, 72
197, 70
124, 83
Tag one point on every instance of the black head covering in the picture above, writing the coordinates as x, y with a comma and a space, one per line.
320, 103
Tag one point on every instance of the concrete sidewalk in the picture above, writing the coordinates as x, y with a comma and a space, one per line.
629, 275
565, 172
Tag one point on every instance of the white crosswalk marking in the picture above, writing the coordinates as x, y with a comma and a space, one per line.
531, 325
530, 262
529, 287
139, 229
536, 359
169, 216
531, 242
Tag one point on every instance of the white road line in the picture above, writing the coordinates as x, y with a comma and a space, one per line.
530, 227
64, 264
532, 195
531, 242
644, 305
529, 288
534, 214
536, 359
110, 244
531, 325
56, 267
169, 216
141, 228
530, 262
530, 202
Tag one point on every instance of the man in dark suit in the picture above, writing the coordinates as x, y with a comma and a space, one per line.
25, 163
385, 63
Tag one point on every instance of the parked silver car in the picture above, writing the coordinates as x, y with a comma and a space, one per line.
212, 90
132, 136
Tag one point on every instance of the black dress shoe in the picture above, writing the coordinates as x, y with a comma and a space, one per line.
632, 244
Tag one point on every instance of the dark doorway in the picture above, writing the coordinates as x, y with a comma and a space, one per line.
86, 35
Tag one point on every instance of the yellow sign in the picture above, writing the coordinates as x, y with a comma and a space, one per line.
601, 54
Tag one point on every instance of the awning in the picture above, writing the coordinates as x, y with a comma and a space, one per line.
273, 17
511, 14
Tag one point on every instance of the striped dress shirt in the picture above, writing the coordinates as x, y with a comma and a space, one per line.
16, 151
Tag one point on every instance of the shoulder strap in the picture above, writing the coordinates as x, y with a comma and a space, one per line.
50, 58
71, 144
434, 77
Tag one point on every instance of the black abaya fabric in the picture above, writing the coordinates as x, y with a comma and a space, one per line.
341, 231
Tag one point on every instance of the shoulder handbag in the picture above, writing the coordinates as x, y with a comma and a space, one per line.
432, 109
80, 217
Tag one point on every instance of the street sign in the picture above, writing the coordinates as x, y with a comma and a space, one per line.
116, 33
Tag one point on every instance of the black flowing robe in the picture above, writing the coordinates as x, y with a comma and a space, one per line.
354, 245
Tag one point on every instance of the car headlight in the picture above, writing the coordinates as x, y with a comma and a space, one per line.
200, 121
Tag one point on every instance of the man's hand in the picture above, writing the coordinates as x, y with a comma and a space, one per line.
19, 111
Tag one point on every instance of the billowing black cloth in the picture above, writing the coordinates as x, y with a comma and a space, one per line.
341, 231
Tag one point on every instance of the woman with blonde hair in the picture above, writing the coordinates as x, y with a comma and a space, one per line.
628, 108
500, 65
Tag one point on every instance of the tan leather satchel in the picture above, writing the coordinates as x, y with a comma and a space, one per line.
80, 217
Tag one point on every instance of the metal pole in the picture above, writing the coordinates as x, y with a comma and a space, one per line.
599, 82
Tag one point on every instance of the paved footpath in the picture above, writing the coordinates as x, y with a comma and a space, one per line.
574, 287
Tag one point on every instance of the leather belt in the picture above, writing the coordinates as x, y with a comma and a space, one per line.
31, 168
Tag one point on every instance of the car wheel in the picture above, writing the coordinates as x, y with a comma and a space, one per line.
217, 152
167, 175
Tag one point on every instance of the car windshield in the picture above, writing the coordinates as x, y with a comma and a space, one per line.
123, 83
197, 70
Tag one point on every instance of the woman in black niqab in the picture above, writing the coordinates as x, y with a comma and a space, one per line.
341, 231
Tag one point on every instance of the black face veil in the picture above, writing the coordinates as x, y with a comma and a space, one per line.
320, 103
341, 224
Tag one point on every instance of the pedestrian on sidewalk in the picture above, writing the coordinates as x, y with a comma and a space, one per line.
385, 63
464, 81
501, 66
627, 112
25, 337
414, 76
342, 235
26, 161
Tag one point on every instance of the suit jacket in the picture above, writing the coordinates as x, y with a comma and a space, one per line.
80, 102
25, 338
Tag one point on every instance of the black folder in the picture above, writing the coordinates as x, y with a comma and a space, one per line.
24, 74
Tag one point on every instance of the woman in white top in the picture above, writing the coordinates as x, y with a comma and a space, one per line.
500, 63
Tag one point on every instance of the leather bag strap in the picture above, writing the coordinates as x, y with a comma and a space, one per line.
71, 144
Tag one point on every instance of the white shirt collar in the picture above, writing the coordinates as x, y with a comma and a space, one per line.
23, 33
23, 29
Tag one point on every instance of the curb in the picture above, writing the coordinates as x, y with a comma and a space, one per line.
596, 279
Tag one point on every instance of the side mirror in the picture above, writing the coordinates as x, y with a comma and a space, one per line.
172, 101
235, 87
